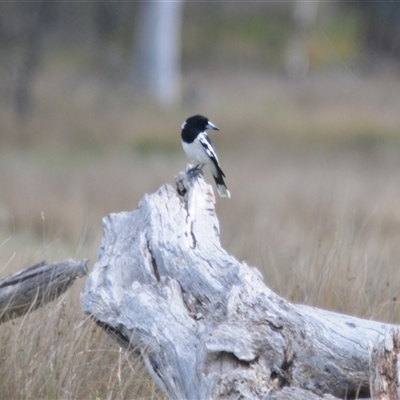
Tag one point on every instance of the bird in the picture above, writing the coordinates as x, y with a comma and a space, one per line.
198, 147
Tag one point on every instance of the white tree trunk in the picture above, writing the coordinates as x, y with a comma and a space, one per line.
206, 325
157, 57
297, 60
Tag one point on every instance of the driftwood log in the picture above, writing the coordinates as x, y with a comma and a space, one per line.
35, 286
205, 324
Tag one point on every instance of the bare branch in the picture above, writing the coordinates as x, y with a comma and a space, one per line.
35, 286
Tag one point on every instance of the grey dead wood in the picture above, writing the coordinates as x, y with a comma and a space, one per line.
205, 324
385, 367
35, 286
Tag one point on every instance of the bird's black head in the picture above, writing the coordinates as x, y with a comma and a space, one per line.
199, 123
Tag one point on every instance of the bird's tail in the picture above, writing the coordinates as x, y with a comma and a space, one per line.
219, 180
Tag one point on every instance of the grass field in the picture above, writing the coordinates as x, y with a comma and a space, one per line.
313, 168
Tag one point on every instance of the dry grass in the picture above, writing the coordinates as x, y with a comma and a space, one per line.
57, 353
313, 170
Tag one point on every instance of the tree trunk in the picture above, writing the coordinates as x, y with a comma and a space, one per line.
33, 287
206, 325
297, 60
32, 48
157, 57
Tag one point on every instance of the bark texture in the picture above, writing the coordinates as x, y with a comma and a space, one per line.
206, 324
385, 368
35, 286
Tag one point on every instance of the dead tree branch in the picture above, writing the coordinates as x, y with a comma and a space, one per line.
35, 286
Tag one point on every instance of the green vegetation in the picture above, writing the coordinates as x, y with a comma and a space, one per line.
260, 40
339, 40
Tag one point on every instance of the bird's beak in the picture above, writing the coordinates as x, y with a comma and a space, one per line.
210, 125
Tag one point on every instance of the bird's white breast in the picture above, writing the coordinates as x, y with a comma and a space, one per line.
195, 151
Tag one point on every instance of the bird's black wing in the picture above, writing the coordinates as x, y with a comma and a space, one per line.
209, 149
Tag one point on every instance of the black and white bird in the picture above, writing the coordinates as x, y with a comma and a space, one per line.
198, 148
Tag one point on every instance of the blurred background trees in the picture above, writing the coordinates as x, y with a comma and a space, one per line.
156, 58
146, 45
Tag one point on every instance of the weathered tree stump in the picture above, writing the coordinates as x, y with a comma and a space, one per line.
385, 367
206, 325
35, 286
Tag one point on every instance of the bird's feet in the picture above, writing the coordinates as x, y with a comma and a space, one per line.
196, 171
